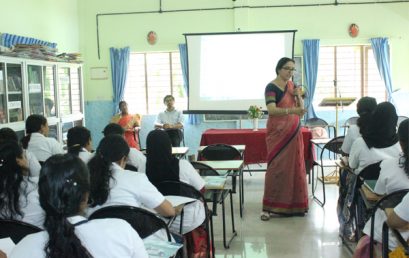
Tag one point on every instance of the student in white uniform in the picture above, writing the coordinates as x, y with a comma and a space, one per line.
7, 134
161, 166
364, 108
36, 140
18, 191
64, 188
112, 185
380, 142
79, 143
135, 157
394, 176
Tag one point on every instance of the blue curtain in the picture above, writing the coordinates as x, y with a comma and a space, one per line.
192, 119
311, 50
380, 48
119, 70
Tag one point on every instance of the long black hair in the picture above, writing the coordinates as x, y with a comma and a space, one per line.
77, 138
161, 165
112, 148
8, 134
364, 108
11, 180
381, 132
403, 133
63, 187
33, 125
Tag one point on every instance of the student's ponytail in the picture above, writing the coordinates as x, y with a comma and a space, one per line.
100, 174
77, 138
63, 188
112, 148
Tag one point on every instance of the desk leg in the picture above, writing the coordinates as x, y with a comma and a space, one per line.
227, 245
241, 191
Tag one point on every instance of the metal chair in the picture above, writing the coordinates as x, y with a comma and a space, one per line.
222, 151
332, 147
16, 230
217, 197
143, 221
350, 121
318, 122
186, 190
385, 240
388, 201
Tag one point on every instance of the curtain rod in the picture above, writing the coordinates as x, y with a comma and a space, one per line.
160, 11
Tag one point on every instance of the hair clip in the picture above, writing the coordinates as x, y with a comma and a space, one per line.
72, 182
1, 162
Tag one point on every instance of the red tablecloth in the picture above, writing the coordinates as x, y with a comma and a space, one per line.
255, 141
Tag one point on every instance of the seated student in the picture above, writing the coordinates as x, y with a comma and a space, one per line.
364, 108
171, 120
162, 166
36, 139
135, 157
394, 176
7, 134
18, 191
380, 142
112, 185
128, 122
79, 143
64, 188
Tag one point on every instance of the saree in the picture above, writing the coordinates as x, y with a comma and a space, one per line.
128, 122
285, 186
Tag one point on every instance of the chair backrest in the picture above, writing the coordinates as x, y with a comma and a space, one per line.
16, 230
186, 190
143, 221
315, 122
351, 121
220, 152
334, 146
204, 170
131, 168
388, 201
371, 172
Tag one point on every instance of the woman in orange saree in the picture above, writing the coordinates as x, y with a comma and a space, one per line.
128, 122
285, 186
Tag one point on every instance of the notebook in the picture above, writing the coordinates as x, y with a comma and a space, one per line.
370, 184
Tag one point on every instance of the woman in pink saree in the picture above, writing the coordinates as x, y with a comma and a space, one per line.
285, 186
128, 122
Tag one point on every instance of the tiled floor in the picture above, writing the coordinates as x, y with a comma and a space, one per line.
315, 235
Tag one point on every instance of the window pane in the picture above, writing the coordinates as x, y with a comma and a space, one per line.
152, 76
135, 90
375, 86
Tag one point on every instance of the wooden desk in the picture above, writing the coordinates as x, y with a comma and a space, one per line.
232, 165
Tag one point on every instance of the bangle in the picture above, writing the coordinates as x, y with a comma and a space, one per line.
286, 111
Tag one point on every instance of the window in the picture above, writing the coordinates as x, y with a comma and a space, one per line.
151, 76
353, 69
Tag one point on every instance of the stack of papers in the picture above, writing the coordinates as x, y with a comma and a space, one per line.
159, 248
215, 182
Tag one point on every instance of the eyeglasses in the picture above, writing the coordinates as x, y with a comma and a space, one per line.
292, 69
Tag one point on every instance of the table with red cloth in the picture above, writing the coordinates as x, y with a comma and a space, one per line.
255, 141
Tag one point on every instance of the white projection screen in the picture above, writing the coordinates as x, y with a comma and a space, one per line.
228, 72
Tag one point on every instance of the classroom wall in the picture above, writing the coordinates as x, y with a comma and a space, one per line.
327, 23
50, 20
